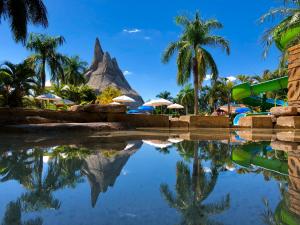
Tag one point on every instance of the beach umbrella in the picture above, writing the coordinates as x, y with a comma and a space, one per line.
49, 97
175, 140
160, 102
146, 108
123, 99
115, 103
158, 143
175, 106
148, 103
134, 111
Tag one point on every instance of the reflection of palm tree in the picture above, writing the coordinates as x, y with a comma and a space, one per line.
191, 192
13, 215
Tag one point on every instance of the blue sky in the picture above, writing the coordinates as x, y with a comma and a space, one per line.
137, 32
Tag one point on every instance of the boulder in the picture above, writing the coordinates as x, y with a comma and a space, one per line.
284, 111
76, 108
95, 108
256, 122
292, 122
104, 71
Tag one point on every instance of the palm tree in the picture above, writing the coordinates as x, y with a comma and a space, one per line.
243, 78
21, 13
226, 87
190, 194
290, 18
165, 95
74, 70
16, 81
192, 56
186, 97
46, 55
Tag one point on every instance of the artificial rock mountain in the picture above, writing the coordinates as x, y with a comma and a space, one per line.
104, 71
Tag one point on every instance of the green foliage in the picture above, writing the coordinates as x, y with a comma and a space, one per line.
46, 56
108, 94
77, 94
185, 97
165, 95
192, 57
289, 16
16, 81
21, 13
74, 70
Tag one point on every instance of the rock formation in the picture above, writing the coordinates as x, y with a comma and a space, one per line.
104, 71
102, 171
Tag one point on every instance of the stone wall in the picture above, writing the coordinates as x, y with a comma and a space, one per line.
294, 76
256, 122
140, 120
39, 116
206, 121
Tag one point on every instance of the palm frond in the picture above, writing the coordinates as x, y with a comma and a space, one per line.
217, 41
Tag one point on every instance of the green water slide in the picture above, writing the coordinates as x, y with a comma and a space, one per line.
247, 93
247, 155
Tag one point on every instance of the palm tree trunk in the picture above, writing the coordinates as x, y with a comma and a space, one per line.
228, 104
195, 167
196, 86
43, 74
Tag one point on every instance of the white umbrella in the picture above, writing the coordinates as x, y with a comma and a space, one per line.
175, 140
49, 96
123, 99
148, 103
175, 106
115, 103
158, 143
160, 102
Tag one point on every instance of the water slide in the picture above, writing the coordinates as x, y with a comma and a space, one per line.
248, 93
248, 155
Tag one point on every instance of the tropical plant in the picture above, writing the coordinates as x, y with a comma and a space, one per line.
192, 56
226, 86
21, 13
46, 56
191, 191
78, 94
290, 18
185, 97
108, 94
16, 81
242, 78
73, 70
165, 95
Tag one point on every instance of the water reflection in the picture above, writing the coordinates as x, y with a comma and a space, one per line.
43, 167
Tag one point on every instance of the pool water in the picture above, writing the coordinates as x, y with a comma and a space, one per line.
148, 179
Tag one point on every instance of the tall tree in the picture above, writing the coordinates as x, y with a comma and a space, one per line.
192, 57
20, 13
165, 95
46, 55
74, 70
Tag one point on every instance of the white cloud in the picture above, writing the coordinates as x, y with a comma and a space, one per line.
208, 77
231, 78
132, 31
48, 83
126, 72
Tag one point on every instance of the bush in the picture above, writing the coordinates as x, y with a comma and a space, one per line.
107, 95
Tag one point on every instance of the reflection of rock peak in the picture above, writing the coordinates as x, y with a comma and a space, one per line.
104, 71
103, 171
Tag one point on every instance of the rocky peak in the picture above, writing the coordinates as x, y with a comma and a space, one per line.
104, 71
98, 54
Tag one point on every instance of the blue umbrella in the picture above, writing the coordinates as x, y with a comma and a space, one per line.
133, 111
242, 110
146, 108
